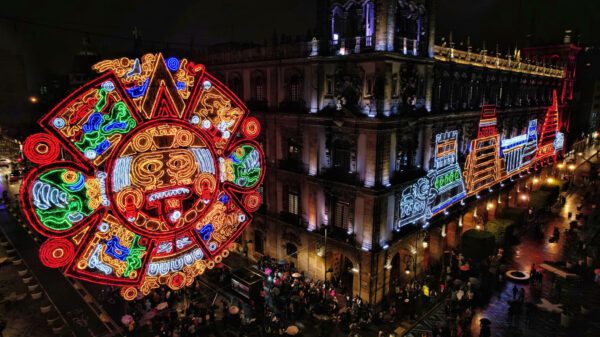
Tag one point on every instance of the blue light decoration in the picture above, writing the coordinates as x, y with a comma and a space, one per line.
139, 90
180, 85
517, 152
135, 70
172, 63
559, 142
448, 180
115, 250
440, 188
530, 148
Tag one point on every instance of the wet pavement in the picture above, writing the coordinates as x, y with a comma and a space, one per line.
530, 321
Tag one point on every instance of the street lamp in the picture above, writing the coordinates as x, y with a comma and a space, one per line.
426, 241
410, 261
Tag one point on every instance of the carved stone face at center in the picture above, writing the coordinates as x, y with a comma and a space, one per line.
163, 179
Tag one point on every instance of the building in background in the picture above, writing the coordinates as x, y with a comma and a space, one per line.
357, 120
587, 94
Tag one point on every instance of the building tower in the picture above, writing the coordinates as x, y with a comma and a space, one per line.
549, 133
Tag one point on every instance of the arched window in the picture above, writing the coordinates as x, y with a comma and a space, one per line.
337, 23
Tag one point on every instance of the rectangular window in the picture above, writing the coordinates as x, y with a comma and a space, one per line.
259, 242
341, 215
294, 92
329, 86
260, 92
292, 198
369, 88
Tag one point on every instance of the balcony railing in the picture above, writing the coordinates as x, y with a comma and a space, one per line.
352, 45
338, 174
292, 219
448, 54
237, 54
407, 46
294, 165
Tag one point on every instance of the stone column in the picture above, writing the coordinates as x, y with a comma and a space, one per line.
384, 24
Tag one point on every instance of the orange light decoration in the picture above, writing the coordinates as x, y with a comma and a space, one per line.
482, 168
546, 149
158, 175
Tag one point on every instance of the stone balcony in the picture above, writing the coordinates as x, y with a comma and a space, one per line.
449, 54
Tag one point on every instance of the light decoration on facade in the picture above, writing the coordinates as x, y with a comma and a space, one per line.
546, 150
482, 168
159, 175
442, 187
517, 152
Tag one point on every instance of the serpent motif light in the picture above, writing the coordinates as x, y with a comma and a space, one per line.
145, 175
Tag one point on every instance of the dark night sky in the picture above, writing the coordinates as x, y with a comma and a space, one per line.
49, 50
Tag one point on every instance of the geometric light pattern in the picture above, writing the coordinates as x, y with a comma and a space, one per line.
145, 175
489, 161
442, 187
549, 132
482, 167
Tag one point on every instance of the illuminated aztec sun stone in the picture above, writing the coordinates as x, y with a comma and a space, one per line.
146, 175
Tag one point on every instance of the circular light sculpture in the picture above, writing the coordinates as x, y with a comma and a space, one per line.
145, 177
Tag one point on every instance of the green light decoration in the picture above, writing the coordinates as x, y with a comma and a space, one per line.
447, 179
99, 126
246, 166
134, 259
59, 203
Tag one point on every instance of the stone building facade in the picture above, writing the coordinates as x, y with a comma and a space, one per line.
349, 119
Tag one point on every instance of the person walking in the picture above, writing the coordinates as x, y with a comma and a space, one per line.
521, 296
515, 291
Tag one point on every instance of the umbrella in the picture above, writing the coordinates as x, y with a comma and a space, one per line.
321, 317
234, 310
296, 275
149, 315
464, 267
126, 319
458, 282
292, 330
485, 321
162, 306
268, 271
282, 262
597, 271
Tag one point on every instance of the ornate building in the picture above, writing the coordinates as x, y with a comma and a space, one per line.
361, 118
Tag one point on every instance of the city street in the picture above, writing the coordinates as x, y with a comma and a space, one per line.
532, 250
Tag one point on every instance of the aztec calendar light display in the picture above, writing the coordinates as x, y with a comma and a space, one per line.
145, 175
